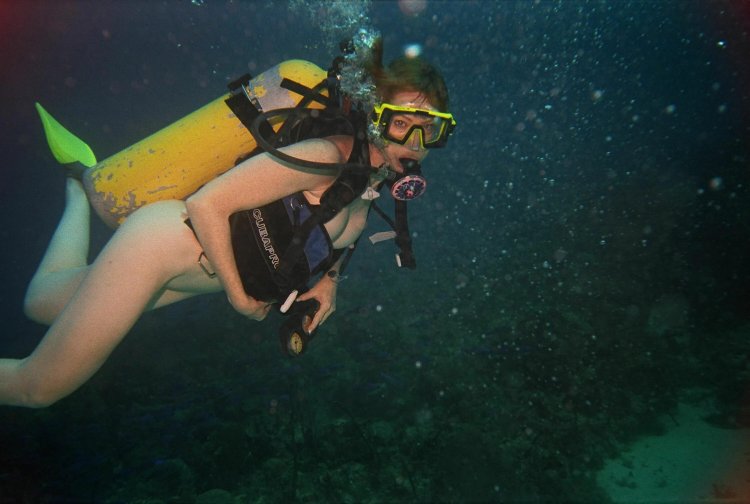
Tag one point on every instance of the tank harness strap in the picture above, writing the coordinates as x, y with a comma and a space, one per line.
309, 95
202, 259
242, 80
405, 258
245, 108
383, 215
403, 238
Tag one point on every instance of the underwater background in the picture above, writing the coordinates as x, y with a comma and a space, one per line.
582, 256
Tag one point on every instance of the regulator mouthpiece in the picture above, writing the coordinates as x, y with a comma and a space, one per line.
410, 184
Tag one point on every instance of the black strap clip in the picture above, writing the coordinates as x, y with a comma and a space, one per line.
241, 81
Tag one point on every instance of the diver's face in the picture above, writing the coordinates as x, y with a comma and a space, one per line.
412, 150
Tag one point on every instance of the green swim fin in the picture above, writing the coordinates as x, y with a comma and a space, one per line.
65, 146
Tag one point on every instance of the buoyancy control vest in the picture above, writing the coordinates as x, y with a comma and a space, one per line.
260, 238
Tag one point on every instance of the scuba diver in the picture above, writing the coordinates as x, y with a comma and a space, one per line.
261, 231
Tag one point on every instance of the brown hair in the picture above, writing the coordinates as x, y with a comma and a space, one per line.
408, 74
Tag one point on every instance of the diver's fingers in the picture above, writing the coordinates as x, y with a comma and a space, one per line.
316, 321
320, 316
325, 314
304, 297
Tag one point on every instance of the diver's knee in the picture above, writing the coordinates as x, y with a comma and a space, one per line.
35, 308
24, 389
31, 305
37, 395
39, 401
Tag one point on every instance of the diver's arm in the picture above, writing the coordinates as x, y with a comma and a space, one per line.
253, 183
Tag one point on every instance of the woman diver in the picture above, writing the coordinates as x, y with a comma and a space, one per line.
150, 261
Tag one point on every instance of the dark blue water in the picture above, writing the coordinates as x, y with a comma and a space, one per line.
581, 247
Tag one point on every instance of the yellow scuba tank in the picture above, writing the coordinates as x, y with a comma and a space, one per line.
177, 160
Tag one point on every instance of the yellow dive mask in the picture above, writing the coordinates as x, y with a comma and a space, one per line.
415, 128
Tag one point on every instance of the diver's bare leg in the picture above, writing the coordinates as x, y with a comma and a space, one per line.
152, 250
64, 263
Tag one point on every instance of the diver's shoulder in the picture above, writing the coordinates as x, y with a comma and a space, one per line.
343, 145
322, 150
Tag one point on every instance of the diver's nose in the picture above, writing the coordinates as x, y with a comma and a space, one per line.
415, 141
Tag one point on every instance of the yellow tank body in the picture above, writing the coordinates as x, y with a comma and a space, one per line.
177, 160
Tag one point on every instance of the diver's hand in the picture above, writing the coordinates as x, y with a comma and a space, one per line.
325, 293
250, 307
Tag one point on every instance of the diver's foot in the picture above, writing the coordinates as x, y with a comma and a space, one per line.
75, 170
